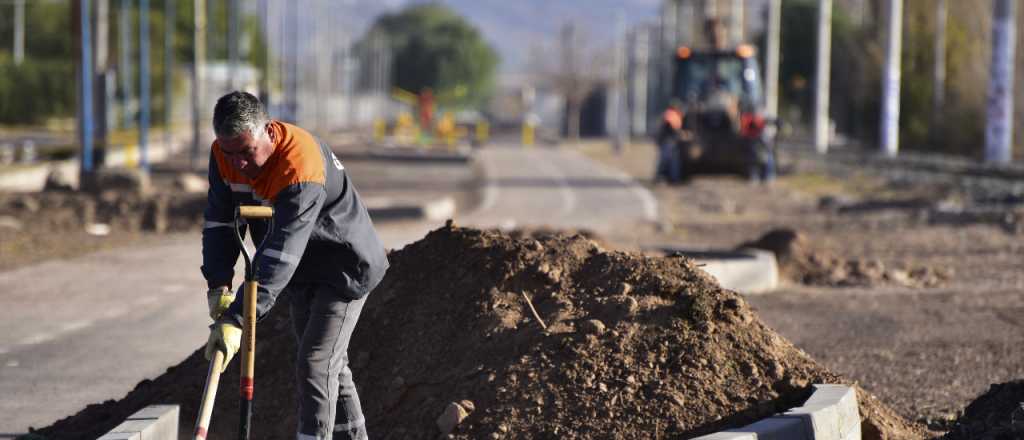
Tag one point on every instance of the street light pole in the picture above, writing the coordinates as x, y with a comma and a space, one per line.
144, 85
821, 79
771, 61
169, 19
890, 129
85, 91
198, 61
19, 31
999, 128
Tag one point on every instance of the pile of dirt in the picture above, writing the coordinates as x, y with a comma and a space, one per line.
799, 262
61, 223
996, 415
634, 347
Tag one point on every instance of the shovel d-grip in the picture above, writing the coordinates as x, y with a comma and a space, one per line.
248, 354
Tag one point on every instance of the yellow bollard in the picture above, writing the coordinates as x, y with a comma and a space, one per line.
131, 156
380, 130
528, 135
483, 131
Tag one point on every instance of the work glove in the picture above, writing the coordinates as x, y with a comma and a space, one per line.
219, 299
224, 337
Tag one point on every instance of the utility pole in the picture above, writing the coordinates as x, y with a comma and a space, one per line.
771, 59
668, 40
19, 31
736, 21
821, 79
232, 44
685, 28
620, 116
939, 72
169, 19
890, 129
323, 66
639, 62
103, 91
84, 88
198, 63
265, 78
999, 128
144, 85
125, 63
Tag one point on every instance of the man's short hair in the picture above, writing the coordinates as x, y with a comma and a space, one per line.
237, 112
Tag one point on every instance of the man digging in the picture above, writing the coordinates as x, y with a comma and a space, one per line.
323, 252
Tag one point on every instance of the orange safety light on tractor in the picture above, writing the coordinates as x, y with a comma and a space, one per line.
683, 52
745, 51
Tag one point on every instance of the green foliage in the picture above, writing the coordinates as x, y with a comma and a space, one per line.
857, 60
38, 91
23, 88
434, 47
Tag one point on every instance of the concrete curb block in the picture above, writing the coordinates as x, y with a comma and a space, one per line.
831, 413
386, 209
747, 271
154, 422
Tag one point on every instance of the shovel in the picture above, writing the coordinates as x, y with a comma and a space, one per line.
209, 393
248, 349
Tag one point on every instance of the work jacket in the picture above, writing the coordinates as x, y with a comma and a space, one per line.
322, 232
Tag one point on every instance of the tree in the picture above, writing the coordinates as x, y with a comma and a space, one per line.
433, 47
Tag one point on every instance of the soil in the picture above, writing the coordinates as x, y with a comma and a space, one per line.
996, 415
632, 346
799, 262
57, 223
925, 349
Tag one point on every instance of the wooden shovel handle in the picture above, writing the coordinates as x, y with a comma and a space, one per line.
209, 395
253, 211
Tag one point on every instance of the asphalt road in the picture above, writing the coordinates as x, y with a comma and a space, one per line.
81, 331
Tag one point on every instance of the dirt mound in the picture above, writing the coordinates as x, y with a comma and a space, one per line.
799, 262
50, 224
635, 347
996, 415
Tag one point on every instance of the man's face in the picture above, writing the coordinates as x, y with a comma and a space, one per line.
247, 153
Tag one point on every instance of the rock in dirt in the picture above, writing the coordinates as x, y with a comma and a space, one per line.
682, 365
800, 262
454, 414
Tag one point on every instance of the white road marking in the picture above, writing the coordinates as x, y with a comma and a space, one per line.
13, 363
649, 202
75, 326
490, 197
568, 196
37, 338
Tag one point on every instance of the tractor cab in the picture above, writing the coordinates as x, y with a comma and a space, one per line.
723, 106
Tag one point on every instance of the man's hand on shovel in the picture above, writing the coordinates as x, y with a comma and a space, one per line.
219, 299
226, 338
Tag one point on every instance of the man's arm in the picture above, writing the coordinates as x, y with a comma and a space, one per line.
220, 249
295, 213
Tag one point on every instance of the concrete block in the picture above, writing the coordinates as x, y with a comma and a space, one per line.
843, 398
853, 433
122, 436
821, 422
747, 271
728, 435
776, 428
155, 422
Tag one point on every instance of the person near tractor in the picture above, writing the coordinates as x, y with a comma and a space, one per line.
323, 252
669, 166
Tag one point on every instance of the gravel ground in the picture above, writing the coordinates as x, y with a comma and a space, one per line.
926, 352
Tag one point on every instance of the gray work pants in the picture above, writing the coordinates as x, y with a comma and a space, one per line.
328, 403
